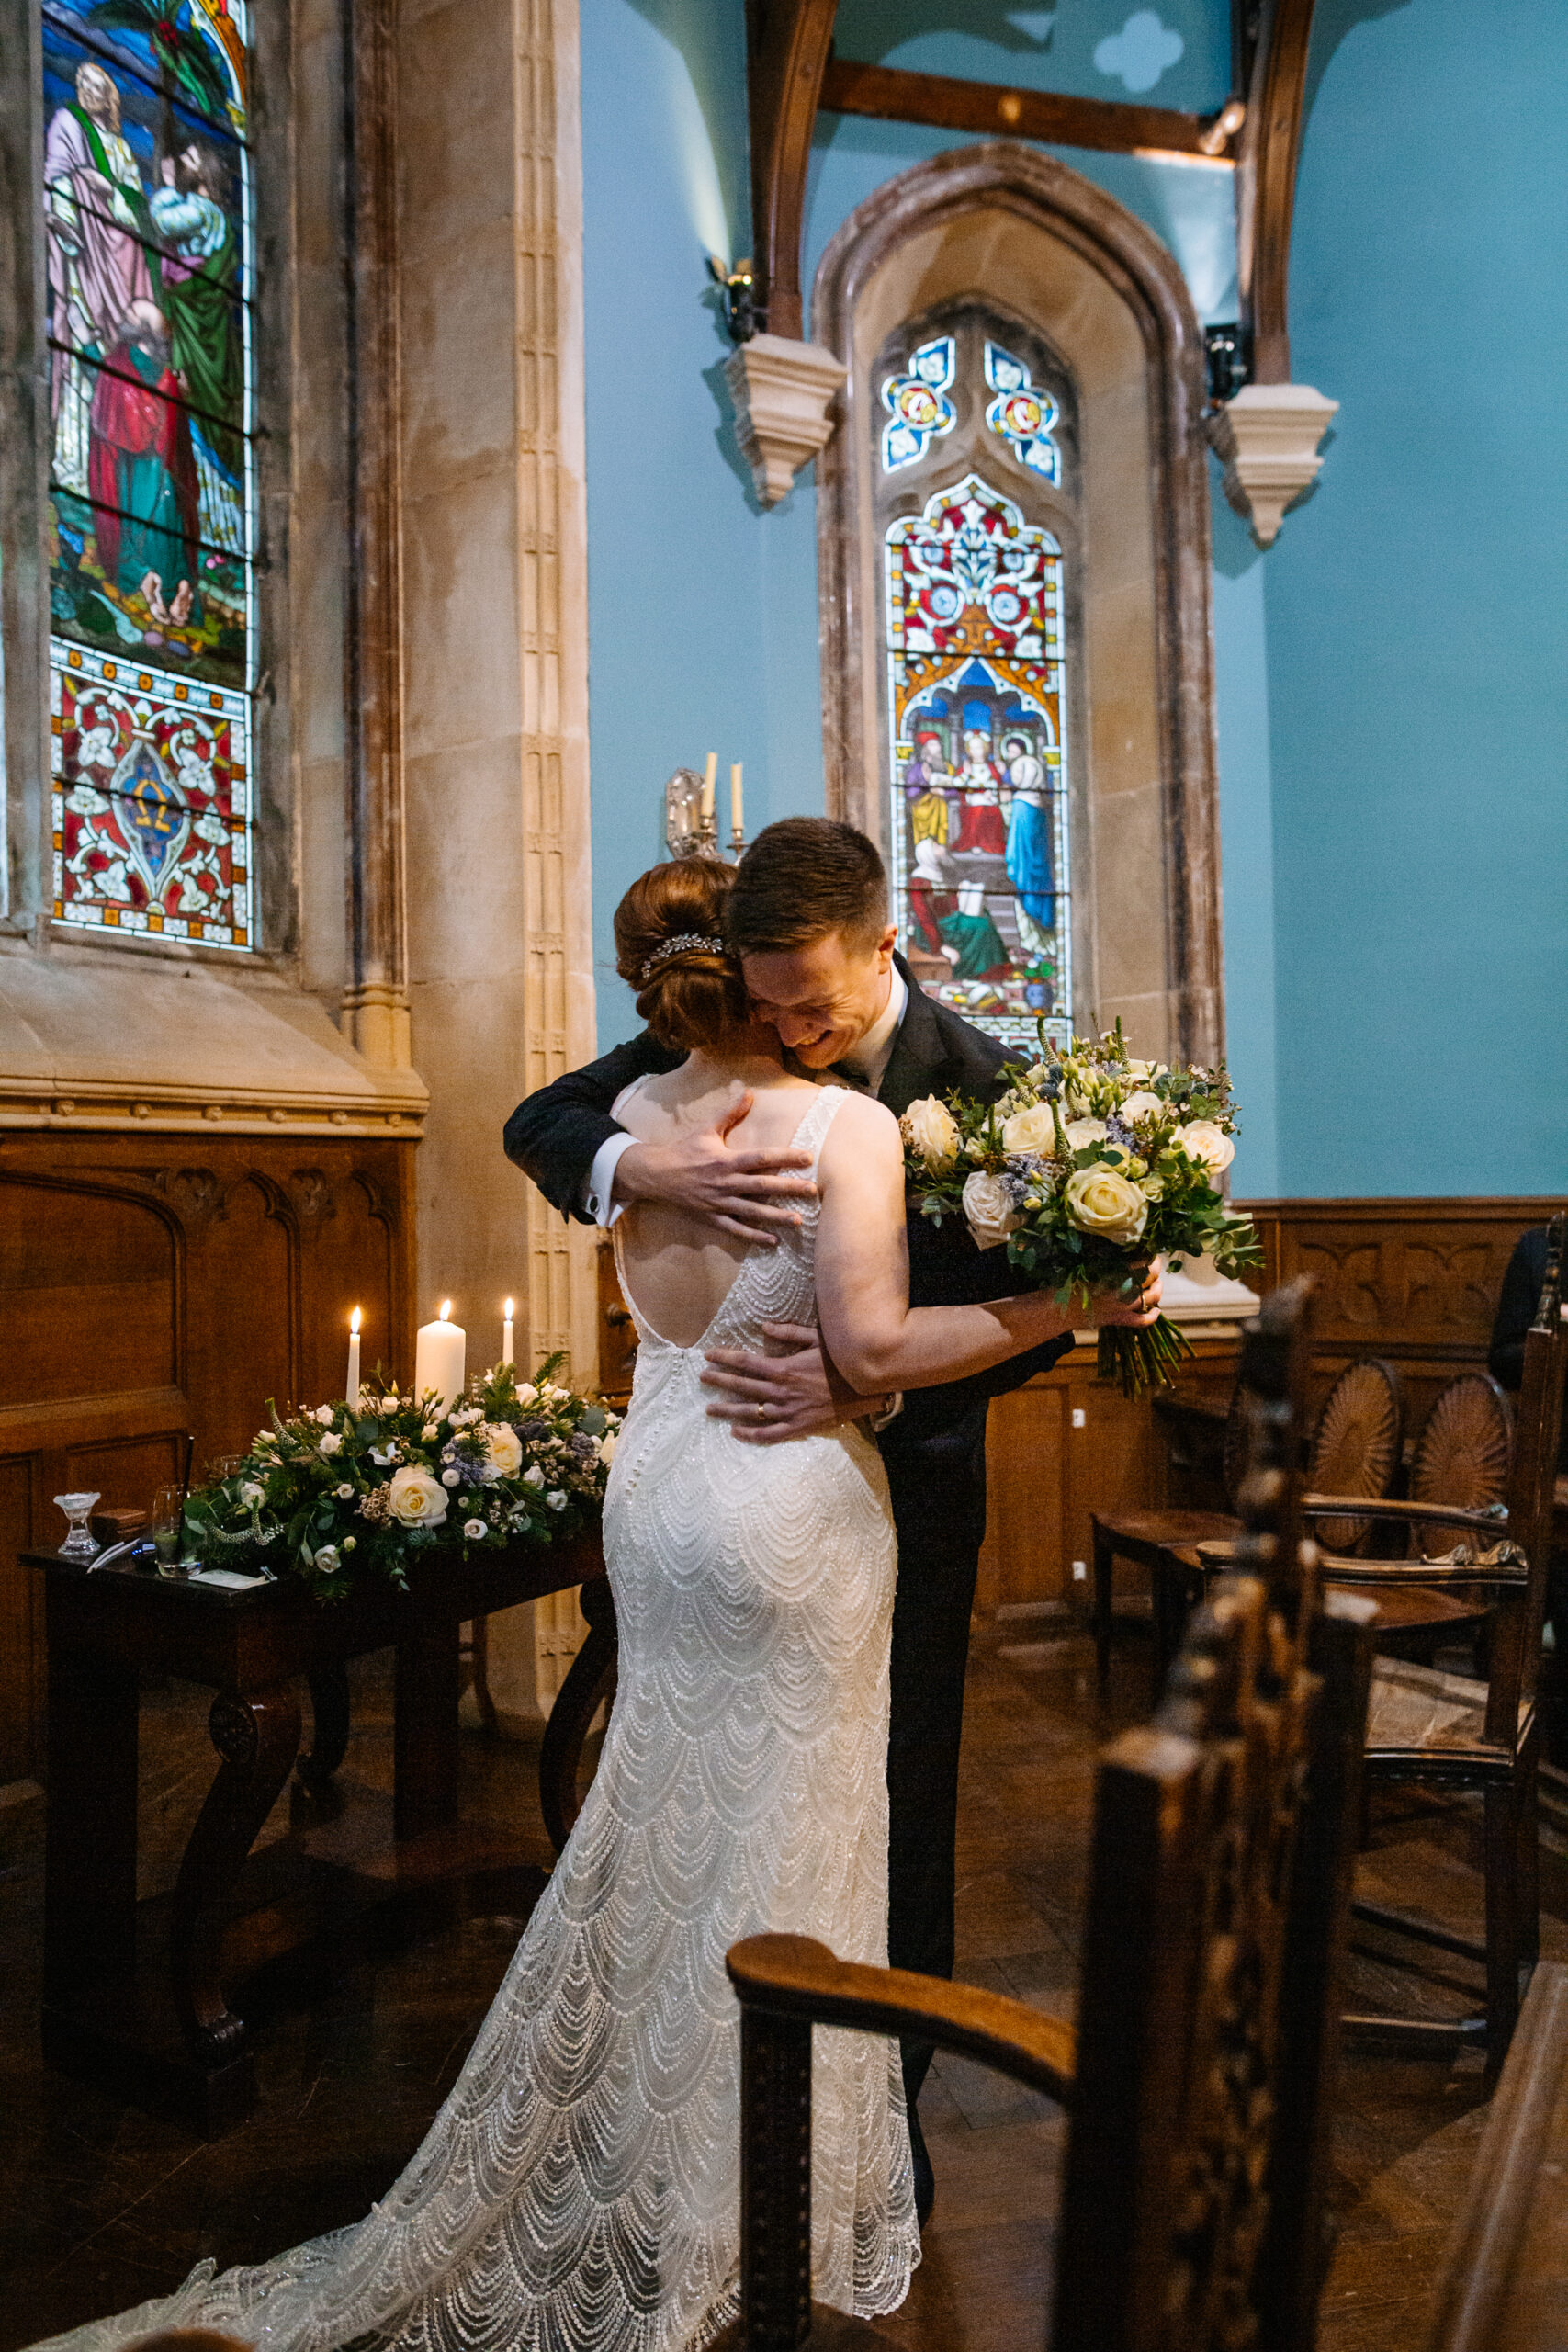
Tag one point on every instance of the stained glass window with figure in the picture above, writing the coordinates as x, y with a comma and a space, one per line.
977, 657
147, 213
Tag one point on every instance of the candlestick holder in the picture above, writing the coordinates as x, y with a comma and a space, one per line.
737, 845
688, 832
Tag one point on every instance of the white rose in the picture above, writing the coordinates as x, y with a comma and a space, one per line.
555, 1499
527, 1394
430, 1432
607, 1448
417, 1498
344, 1493
390, 1404
324, 1415
505, 1449
930, 1128
1202, 1140
1142, 1105
251, 1493
327, 1558
988, 1207
1103, 1201
330, 1446
1080, 1132
1030, 1130
534, 1477
473, 1529
1146, 1069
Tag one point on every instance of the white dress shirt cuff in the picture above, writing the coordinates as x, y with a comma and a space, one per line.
597, 1199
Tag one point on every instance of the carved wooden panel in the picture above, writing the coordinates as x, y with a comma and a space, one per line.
152, 1285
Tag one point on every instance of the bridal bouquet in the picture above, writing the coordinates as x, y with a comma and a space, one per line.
1089, 1167
346, 1491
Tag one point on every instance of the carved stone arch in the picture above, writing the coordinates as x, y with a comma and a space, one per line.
1006, 225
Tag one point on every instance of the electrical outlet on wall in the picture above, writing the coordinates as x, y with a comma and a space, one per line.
1081, 1419
1080, 1571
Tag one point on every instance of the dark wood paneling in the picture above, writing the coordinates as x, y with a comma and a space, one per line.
152, 1285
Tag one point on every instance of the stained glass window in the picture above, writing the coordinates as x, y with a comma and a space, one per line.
917, 405
147, 213
1021, 413
977, 713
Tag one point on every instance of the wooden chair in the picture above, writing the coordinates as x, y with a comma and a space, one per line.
1356, 1451
1460, 1458
1456, 1732
1199, 2078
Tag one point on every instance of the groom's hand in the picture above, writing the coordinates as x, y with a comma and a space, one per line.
772, 1398
746, 1194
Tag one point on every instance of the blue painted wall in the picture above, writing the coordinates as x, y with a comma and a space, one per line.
1391, 676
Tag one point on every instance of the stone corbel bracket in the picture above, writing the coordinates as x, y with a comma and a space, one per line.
784, 393
1267, 438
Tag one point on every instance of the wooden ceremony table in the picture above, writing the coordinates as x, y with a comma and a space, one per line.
168, 2036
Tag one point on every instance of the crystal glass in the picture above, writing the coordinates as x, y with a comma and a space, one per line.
78, 1543
167, 1526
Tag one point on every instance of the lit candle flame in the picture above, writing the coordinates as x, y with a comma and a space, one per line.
446, 1309
507, 1310
354, 1322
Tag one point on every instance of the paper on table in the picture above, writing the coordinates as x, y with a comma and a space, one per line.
229, 1578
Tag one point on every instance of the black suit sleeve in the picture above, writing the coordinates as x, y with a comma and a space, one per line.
554, 1135
1516, 1308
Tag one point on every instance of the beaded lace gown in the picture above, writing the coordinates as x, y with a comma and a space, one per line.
580, 2190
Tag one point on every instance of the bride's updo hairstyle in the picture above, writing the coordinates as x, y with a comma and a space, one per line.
670, 946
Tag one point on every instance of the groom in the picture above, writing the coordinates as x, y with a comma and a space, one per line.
808, 916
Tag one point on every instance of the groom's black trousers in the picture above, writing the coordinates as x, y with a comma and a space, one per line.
938, 1490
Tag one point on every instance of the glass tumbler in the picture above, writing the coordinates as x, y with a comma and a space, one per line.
167, 1527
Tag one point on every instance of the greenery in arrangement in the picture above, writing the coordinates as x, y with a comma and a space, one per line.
1090, 1166
348, 1492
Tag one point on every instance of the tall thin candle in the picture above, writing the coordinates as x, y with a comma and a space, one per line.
736, 825
506, 1354
710, 778
352, 1390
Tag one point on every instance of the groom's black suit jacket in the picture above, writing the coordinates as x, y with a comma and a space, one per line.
553, 1137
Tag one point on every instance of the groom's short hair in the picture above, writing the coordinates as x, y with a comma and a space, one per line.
799, 880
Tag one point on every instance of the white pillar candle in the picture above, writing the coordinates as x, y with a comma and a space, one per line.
352, 1391
735, 826
710, 776
440, 1360
506, 1354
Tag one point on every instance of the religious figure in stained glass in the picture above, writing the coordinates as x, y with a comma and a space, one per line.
147, 219
977, 718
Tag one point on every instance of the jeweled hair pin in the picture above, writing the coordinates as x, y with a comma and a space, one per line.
680, 946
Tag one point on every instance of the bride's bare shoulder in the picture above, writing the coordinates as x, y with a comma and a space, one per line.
862, 1123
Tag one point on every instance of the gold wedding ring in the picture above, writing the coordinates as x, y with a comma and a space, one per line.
761, 1412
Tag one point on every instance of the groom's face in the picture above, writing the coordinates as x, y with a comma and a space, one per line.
823, 997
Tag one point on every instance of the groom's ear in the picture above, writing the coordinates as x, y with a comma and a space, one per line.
885, 947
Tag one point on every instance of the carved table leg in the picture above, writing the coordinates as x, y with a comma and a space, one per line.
329, 1744
585, 1685
427, 1684
89, 1873
257, 1734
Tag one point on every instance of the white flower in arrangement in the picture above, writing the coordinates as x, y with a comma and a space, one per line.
1081, 1133
343, 1493
989, 1206
505, 1449
607, 1448
1142, 1105
417, 1499
351, 1543
327, 1560
466, 1418
324, 1415
430, 1432
555, 1499
1146, 1069
1103, 1201
930, 1128
527, 1394
473, 1529
385, 1455
391, 1404
534, 1477
331, 1444
1203, 1140
450, 1477
251, 1493
1030, 1130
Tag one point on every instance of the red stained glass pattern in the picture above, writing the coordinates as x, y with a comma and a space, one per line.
152, 800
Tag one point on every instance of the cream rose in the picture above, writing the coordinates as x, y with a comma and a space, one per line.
988, 1207
505, 1448
417, 1499
607, 1448
930, 1128
1142, 1105
1080, 1132
1202, 1139
1030, 1130
1103, 1201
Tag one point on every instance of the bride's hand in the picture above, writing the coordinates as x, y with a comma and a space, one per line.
1139, 1312
750, 1194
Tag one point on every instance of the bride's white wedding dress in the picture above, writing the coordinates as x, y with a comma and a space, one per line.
579, 2189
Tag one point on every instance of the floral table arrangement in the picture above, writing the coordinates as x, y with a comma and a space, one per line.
354, 1491
1089, 1167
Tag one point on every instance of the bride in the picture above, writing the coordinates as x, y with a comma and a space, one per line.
579, 2191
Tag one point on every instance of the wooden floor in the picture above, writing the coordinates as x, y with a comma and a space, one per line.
102, 2206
